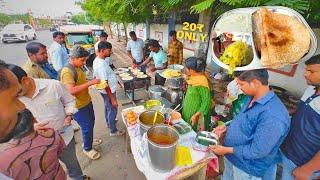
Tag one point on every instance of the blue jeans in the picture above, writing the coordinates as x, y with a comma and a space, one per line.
69, 158
110, 113
231, 172
288, 166
85, 118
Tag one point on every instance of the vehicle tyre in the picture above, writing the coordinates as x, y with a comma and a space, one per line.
3, 41
26, 39
34, 37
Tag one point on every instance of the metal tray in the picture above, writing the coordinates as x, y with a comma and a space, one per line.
246, 19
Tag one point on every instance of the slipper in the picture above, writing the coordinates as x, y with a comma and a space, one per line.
92, 154
118, 133
96, 142
85, 177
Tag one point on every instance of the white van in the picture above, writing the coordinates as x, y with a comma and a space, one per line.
18, 32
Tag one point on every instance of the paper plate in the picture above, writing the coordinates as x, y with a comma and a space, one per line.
138, 73
124, 75
101, 85
127, 78
142, 76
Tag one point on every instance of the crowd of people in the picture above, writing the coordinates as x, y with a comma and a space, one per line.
42, 98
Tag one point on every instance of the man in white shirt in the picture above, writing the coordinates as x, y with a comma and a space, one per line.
102, 71
135, 51
53, 106
58, 52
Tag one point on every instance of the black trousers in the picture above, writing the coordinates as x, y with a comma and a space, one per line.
159, 80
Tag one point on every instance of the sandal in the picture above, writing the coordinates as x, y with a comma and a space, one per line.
92, 154
96, 142
118, 133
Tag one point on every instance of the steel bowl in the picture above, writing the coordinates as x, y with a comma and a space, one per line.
146, 120
156, 91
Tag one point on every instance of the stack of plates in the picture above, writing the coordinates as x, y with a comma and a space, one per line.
127, 78
141, 76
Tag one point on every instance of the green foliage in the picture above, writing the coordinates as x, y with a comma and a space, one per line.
45, 23
4, 19
202, 6
136, 11
7, 19
83, 18
299, 5
119, 10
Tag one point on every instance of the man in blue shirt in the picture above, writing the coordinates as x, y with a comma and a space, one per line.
301, 149
160, 60
251, 144
58, 52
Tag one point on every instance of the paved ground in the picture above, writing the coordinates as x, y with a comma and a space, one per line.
114, 163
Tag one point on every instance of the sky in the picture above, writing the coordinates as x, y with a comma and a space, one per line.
52, 8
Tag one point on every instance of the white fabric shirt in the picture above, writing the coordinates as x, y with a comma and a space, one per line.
315, 103
136, 48
102, 71
4, 177
50, 103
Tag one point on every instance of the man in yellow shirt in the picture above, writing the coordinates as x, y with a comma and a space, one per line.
175, 49
74, 78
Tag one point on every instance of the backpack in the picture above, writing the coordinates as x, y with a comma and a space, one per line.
73, 70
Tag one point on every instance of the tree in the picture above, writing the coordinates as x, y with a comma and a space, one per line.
4, 19
119, 11
44, 23
83, 18
308, 8
7, 19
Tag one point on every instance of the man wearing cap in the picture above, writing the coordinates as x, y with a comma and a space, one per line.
58, 52
251, 143
74, 78
301, 149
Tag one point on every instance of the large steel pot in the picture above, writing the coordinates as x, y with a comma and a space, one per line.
156, 91
175, 83
146, 120
162, 145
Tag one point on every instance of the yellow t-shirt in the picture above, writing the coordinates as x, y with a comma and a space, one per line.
82, 98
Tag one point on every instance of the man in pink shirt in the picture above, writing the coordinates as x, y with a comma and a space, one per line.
24, 152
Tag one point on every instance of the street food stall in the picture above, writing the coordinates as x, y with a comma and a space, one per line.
241, 40
155, 156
